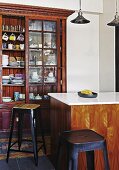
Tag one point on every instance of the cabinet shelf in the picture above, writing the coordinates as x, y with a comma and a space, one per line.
9, 31
14, 102
13, 84
6, 49
13, 67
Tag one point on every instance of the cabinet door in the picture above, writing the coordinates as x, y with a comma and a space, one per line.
43, 58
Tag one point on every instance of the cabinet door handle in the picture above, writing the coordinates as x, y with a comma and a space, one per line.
0, 71
60, 67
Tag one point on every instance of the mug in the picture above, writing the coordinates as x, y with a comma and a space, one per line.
22, 46
17, 46
10, 46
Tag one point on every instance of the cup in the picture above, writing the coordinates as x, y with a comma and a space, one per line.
17, 46
22, 46
10, 46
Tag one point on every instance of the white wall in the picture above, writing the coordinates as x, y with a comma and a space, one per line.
82, 42
107, 48
83, 54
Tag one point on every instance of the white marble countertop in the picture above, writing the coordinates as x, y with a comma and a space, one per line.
75, 99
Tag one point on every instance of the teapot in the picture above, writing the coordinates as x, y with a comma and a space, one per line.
5, 37
12, 37
20, 37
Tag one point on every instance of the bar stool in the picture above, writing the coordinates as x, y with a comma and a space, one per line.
82, 141
32, 110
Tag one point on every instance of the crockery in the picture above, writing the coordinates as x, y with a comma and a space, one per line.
12, 37
6, 99
5, 37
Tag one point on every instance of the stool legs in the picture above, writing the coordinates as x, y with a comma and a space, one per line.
33, 119
11, 131
20, 129
106, 162
74, 160
90, 160
34, 136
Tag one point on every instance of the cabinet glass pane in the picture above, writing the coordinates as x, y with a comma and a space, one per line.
35, 25
50, 57
35, 74
35, 40
49, 40
35, 57
49, 26
50, 74
35, 92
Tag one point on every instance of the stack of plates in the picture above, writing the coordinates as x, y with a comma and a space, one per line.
17, 81
6, 99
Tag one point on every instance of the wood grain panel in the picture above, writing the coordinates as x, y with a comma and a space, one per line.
103, 119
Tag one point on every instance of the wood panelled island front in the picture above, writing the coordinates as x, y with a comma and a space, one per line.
69, 111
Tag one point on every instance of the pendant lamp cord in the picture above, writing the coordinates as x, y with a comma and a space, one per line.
80, 4
116, 7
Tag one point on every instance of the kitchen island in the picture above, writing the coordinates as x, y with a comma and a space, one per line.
101, 114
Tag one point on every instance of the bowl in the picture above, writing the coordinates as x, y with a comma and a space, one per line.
5, 81
6, 99
93, 95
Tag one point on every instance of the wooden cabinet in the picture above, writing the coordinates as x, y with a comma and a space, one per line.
32, 57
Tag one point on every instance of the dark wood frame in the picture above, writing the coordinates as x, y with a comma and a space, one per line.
30, 12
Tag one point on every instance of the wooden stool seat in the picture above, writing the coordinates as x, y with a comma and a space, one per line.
32, 110
82, 141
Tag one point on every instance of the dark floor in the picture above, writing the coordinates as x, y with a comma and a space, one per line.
26, 164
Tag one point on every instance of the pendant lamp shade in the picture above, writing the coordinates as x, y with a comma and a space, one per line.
115, 22
80, 19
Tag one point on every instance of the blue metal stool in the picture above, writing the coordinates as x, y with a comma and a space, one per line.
32, 110
82, 141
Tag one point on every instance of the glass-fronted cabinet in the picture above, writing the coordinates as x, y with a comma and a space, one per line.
32, 57
42, 58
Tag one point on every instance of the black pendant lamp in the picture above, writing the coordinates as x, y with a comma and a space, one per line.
80, 19
115, 22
